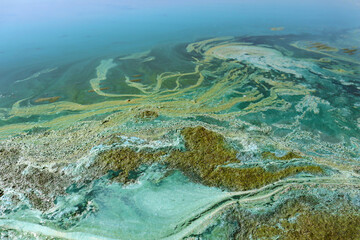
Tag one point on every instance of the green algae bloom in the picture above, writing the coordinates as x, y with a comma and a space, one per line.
203, 160
124, 161
287, 156
219, 138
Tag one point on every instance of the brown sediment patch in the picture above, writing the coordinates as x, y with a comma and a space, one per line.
307, 223
103, 88
9, 154
287, 156
49, 99
248, 178
25, 179
49, 185
322, 47
277, 28
206, 155
135, 80
147, 115
205, 150
204, 161
350, 51
124, 160
323, 225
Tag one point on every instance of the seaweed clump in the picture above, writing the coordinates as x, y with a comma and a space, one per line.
147, 115
11, 154
124, 161
205, 151
48, 99
287, 156
350, 51
304, 217
48, 184
204, 160
249, 178
206, 155
322, 47
298, 220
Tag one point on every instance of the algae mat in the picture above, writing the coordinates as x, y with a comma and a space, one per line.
223, 138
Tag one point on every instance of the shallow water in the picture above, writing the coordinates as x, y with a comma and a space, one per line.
158, 120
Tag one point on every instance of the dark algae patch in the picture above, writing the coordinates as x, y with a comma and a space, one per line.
165, 143
25, 178
203, 161
205, 151
287, 156
298, 219
249, 178
206, 155
124, 161
147, 115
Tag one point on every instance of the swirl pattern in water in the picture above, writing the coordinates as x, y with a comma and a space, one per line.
249, 137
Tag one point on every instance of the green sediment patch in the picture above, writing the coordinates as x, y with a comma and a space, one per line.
287, 156
36, 130
37, 118
207, 153
203, 161
124, 161
248, 178
25, 179
147, 115
322, 47
9, 154
205, 150
298, 219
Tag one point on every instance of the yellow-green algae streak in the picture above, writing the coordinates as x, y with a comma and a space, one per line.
168, 102
210, 126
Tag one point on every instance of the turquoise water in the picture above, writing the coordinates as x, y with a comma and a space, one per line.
141, 211
45, 35
63, 31
276, 82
